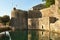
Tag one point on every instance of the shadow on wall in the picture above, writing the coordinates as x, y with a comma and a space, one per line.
12, 22
53, 19
34, 14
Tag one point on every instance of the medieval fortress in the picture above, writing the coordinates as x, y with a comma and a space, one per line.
37, 19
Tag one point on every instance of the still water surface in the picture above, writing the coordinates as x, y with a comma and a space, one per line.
42, 35
34, 35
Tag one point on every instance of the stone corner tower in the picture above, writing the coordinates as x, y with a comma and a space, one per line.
19, 18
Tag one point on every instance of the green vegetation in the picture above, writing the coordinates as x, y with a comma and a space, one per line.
49, 2
5, 19
0, 19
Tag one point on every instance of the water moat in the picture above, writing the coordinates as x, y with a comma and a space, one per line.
34, 35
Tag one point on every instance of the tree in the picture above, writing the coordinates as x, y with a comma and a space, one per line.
5, 19
49, 2
0, 19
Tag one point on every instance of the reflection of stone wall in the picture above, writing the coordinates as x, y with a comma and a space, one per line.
43, 35
33, 35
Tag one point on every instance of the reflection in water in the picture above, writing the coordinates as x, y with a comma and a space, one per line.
19, 35
34, 35
42, 35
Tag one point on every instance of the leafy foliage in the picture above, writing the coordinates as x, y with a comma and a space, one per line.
0, 19
4, 19
49, 2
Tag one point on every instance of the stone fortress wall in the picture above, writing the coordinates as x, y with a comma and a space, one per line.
35, 19
19, 19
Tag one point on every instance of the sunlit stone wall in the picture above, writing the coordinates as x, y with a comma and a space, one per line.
44, 23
